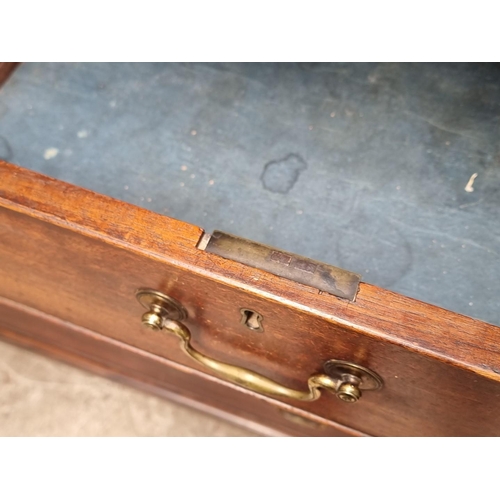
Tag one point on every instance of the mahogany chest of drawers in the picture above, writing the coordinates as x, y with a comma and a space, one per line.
280, 343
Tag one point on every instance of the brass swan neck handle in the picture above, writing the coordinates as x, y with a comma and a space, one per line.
344, 379
248, 378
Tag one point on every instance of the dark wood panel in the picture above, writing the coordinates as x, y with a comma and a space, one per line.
80, 256
122, 363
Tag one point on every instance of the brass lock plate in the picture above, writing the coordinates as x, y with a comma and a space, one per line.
324, 277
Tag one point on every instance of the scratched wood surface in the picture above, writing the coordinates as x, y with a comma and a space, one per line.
78, 256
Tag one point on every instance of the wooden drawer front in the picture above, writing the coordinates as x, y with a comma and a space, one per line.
122, 363
80, 257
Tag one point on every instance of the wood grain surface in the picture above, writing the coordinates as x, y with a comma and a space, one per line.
79, 256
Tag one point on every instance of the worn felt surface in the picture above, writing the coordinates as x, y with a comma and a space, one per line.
363, 166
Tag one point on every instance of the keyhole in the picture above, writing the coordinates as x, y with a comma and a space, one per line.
251, 320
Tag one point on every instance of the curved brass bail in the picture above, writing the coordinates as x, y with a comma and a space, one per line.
247, 378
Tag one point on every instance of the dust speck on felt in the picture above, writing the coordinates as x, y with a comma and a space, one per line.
469, 187
50, 153
211, 182
82, 134
184, 168
193, 132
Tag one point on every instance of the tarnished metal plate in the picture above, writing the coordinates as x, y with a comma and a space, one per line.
324, 277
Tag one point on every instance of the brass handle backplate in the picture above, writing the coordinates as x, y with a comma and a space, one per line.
344, 379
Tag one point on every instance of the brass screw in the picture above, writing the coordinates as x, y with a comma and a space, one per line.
152, 320
349, 393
